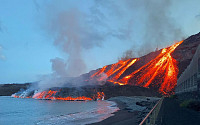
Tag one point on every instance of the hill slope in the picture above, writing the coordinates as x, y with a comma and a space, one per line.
158, 70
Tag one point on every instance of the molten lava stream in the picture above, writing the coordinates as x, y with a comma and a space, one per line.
51, 95
117, 68
161, 72
163, 65
109, 71
116, 77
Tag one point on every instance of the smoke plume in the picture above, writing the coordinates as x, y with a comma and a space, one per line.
149, 24
72, 33
160, 28
66, 27
127, 55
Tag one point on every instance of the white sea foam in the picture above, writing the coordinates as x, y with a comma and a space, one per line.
81, 118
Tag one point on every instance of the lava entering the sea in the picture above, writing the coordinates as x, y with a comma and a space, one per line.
161, 72
52, 95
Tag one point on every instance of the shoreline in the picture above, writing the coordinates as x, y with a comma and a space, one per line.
129, 112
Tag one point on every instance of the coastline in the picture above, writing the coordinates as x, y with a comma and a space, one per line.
132, 110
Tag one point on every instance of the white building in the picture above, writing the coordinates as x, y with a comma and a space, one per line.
190, 79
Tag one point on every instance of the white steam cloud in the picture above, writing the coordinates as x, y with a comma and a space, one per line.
72, 33
156, 27
66, 27
160, 28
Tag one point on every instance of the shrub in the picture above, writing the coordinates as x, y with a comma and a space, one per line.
191, 104
173, 97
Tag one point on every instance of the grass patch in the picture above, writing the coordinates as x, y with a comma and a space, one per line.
191, 104
173, 97
185, 103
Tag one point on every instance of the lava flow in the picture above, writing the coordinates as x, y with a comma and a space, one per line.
116, 69
51, 95
161, 72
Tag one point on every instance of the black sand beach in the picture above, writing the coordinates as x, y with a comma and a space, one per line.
129, 113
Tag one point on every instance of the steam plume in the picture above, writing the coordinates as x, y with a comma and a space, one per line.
66, 27
156, 27
127, 55
74, 31
160, 28
72, 34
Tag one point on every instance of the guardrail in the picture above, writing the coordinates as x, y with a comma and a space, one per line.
151, 117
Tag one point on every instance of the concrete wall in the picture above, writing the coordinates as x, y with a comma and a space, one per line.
190, 78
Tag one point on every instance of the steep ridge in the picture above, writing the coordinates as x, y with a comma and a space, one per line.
149, 75
158, 70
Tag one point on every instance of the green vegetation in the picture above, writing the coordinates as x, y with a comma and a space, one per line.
173, 97
185, 103
191, 104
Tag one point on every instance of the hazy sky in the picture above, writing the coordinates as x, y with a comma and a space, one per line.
32, 32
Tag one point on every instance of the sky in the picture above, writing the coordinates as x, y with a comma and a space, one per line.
71, 37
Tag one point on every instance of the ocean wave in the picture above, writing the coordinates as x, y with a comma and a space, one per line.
81, 118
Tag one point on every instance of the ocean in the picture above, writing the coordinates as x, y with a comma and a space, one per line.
28, 111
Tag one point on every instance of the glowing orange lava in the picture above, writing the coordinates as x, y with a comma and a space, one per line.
99, 96
161, 72
51, 95
116, 69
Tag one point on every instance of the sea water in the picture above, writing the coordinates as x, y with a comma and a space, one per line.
25, 111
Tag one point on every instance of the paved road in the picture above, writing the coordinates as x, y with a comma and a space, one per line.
172, 114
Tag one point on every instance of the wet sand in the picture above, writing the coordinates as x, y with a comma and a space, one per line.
129, 113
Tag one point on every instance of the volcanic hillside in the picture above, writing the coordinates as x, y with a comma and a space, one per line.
158, 70
145, 76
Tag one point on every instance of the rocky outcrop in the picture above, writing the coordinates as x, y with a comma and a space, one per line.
184, 52
9, 89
